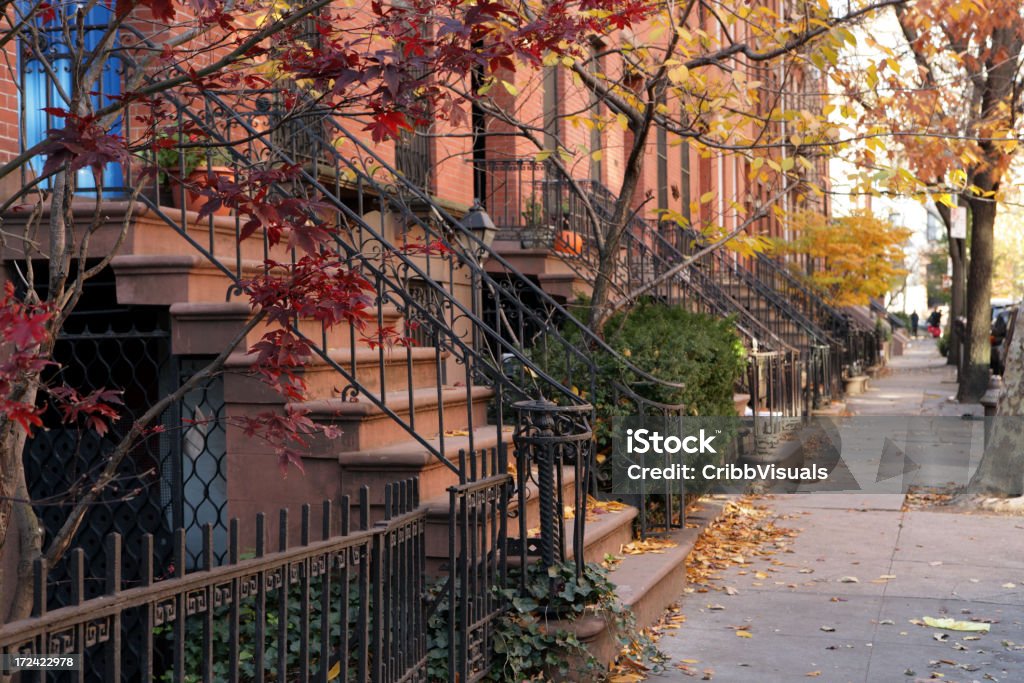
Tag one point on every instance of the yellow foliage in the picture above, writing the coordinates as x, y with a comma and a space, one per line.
862, 254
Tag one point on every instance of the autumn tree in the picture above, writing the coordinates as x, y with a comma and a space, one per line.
862, 255
935, 90
735, 83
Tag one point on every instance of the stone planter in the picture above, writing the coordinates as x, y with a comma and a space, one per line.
537, 237
856, 385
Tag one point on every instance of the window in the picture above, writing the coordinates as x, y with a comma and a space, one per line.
45, 46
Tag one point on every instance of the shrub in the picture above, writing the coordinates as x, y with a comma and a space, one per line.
697, 350
700, 354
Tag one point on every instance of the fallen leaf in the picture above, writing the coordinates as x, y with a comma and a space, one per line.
729, 590
941, 637
955, 625
828, 629
1009, 585
848, 579
650, 545
812, 674
744, 634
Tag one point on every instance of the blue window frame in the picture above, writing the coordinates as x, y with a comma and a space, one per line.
40, 89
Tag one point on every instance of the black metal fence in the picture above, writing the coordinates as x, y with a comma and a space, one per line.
348, 606
478, 563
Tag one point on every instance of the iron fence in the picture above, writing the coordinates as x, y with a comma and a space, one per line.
348, 606
478, 512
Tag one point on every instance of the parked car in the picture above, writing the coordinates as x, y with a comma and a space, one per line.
1003, 318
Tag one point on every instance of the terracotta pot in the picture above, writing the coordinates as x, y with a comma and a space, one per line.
193, 200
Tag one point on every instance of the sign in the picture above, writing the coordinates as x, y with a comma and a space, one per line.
958, 224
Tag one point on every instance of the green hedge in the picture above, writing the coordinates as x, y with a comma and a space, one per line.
697, 350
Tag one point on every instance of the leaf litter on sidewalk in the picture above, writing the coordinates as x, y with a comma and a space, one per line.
743, 532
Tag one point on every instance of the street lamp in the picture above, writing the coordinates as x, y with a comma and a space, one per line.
479, 224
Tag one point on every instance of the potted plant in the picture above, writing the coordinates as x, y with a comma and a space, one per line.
196, 164
536, 233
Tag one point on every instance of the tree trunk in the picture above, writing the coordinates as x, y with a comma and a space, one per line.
21, 520
30, 541
1001, 471
613, 230
975, 372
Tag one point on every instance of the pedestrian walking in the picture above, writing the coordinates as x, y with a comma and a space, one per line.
935, 323
914, 320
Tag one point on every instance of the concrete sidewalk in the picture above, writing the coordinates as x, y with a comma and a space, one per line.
809, 620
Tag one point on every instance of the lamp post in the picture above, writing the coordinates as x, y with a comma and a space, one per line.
478, 223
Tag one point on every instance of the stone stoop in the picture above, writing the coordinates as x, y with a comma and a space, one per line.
372, 450
553, 274
647, 584
207, 327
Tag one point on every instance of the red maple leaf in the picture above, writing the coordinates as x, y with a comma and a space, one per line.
387, 125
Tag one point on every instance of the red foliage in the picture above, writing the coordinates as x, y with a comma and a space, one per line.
23, 327
81, 142
97, 409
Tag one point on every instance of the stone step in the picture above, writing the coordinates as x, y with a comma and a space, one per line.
329, 476
604, 533
429, 411
410, 458
207, 327
150, 235
374, 371
163, 280
439, 507
648, 583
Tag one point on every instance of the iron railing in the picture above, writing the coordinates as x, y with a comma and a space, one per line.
479, 338
522, 193
834, 322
